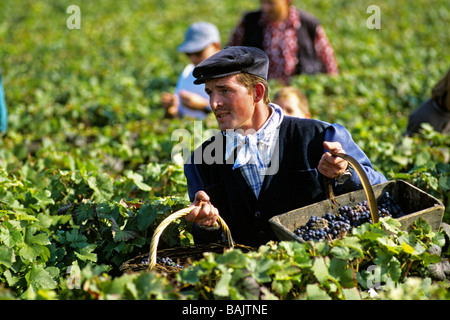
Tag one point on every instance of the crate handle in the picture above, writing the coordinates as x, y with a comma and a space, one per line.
174, 216
373, 206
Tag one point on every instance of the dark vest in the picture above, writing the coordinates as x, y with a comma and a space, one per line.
297, 182
308, 63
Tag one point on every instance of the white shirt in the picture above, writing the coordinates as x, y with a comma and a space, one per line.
186, 82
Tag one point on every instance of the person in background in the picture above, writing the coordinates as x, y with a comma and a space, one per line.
435, 110
3, 110
294, 40
202, 39
293, 102
261, 163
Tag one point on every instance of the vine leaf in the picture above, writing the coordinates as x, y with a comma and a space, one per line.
83, 212
121, 235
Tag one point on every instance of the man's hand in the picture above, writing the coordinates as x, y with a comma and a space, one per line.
204, 213
192, 100
169, 102
329, 165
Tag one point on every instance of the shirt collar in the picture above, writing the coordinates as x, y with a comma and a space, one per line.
249, 144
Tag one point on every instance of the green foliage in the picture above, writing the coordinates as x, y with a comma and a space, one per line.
391, 263
43, 232
342, 269
86, 168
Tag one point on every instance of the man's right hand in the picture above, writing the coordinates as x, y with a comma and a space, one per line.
204, 213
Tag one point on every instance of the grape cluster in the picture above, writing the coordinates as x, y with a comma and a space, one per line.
331, 226
388, 206
168, 262
165, 260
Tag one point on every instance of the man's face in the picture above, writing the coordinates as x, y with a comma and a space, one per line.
232, 104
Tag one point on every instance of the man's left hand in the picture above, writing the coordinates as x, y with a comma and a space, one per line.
330, 165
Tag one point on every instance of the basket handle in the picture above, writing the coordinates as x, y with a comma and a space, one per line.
373, 206
174, 216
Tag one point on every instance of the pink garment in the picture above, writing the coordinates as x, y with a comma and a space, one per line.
281, 45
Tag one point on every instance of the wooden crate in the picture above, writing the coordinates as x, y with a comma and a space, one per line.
414, 202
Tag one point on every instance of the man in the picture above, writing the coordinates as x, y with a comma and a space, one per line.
202, 39
262, 163
293, 39
434, 111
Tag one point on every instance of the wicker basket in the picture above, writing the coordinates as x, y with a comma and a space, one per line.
414, 202
183, 255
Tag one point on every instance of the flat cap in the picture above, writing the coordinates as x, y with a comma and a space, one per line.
232, 60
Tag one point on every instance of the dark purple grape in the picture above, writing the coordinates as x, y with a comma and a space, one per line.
332, 226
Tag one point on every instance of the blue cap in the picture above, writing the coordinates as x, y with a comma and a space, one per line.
230, 61
198, 36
